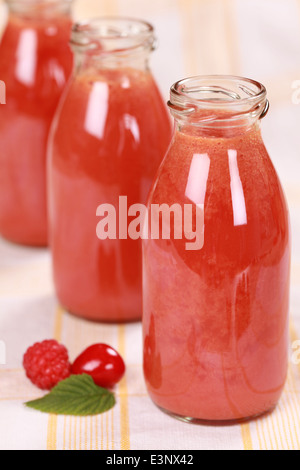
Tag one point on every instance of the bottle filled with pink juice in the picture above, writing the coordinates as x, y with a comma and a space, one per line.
215, 315
108, 139
35, 64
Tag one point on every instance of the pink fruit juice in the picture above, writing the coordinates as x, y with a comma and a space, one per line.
216, 319
108, 141
35, 63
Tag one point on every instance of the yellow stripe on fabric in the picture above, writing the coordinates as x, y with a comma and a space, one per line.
288, 428
288, 410
80, 433
75, 435
91, 433
284, 417
52, 421
52, 432
246, 436
64, 441
112, 430
70, 432
268, 420
281, 414
278, 415
294, 419
33, 397
295, 337
124, 408
264, 446
295, 400
102, 433
274, 429
58, 323
85, 433
258, 436
107, 431
96, 433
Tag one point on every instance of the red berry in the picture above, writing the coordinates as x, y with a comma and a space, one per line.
46, 364
103, 363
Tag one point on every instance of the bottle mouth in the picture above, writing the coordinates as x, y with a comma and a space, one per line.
37, 6
113, 35
218, 99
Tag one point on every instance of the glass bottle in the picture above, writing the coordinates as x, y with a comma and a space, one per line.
108, 140
216, 291
35, 63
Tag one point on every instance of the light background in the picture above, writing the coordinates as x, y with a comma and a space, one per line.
259, 39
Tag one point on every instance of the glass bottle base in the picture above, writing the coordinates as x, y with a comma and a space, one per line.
211, 422
108, 321
22, 243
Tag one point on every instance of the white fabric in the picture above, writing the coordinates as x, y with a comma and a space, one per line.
255, 38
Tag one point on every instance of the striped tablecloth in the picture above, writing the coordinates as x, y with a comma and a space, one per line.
255, 38
29, 313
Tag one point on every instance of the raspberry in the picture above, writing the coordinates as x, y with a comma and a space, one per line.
46, 364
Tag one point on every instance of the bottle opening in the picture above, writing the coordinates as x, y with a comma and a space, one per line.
116, 35
38, 6
218, 100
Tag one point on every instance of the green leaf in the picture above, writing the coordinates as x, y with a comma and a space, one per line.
76, 396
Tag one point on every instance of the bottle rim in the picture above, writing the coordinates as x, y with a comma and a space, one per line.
112, 35
35, 2
223, 98
37, 6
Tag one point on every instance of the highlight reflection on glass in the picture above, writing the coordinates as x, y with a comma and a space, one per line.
237, 192
97, 108
27, 57
197, 180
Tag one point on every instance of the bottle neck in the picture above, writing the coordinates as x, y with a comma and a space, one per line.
85, 61
112, 43
217, 129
